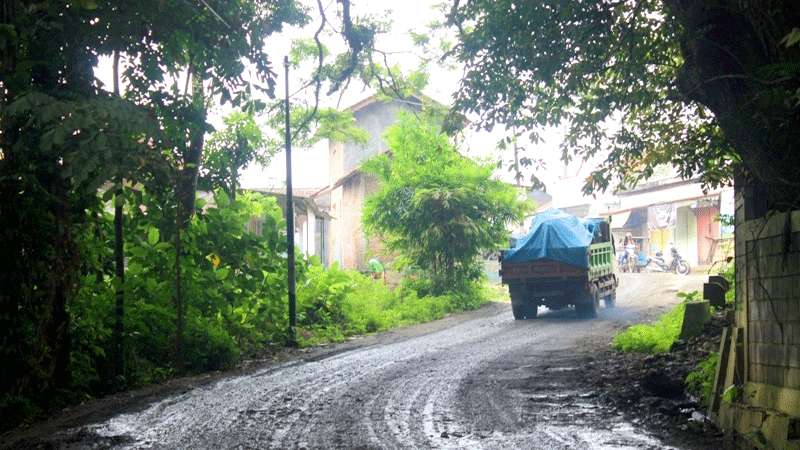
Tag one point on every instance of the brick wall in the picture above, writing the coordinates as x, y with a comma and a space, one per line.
768, 292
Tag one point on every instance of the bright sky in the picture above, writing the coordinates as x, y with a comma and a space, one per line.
310, 165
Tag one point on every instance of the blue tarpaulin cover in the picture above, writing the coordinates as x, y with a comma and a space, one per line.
557, 236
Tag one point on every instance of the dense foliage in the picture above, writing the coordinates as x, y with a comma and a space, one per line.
336, 303
73, 148
436, 208
699, 84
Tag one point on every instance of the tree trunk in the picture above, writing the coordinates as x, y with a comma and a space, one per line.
57, 327
736, 65
187, 188
187, 191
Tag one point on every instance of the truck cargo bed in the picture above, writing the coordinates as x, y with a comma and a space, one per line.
539, 269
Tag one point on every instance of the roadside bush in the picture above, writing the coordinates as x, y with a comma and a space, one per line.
336, 303
234, 284
234, 290
700, 381
730, 274
652, 338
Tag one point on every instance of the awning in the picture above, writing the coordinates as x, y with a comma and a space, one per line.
618, 220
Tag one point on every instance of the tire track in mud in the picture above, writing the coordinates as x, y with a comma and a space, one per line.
488, 382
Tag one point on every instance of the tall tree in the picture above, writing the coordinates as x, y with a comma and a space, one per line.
438, 209
63, 136
699, 84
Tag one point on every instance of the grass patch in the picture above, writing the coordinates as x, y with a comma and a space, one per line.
700, 381
334, 304
656, 337
497, 292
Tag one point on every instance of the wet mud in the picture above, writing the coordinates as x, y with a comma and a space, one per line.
481, 380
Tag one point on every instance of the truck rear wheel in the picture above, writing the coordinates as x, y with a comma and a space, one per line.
521, 304
523, 311
588, 308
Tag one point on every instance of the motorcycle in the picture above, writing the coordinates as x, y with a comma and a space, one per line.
632, 262
678, 264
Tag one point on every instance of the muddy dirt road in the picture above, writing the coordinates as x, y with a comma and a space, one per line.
478, 381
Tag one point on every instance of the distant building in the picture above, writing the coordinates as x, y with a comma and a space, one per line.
311, 222
348, 187
541, 201
677, 211
660, 210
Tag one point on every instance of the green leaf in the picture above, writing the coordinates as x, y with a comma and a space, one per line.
222, 273
222, 199
792, 38
152, 235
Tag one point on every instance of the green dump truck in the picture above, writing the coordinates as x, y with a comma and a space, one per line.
562, 261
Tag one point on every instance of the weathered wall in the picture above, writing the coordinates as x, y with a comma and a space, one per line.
335, 169
335, 231
350, 222
374, 118
348, 245
770, 282
685, 234
765, 367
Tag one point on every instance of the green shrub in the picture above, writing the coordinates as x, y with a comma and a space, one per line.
700, 381
208, 345
334, 303
234, 291
234, 288
730, 274
657, 337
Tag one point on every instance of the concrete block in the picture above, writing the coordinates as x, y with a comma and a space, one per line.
775, 225
749, 420
695, 316
792, 357
774, 375
781, 399
755, 355
792, 380
775, 429
715, 294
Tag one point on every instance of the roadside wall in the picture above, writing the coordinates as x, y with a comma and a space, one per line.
769, 275
763, 365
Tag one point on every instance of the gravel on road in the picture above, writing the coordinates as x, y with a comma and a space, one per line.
475, 380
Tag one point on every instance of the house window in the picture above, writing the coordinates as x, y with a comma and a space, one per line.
320, 240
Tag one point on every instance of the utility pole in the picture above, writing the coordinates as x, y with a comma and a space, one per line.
292, 339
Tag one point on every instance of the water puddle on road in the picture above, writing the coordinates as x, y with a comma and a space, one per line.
551, 416
621, 436
574, 419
